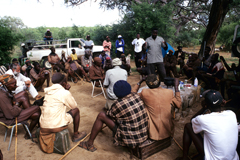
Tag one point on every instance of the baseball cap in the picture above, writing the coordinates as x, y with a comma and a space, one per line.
212, 97
119, 36
48, 29
23, 44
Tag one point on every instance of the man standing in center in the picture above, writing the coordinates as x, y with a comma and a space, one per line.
112, 76
138, 43
154, 55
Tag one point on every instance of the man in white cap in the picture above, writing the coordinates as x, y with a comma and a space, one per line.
119, 46
48, 36
112, 76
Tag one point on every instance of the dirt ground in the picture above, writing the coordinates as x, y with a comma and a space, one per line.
89, 109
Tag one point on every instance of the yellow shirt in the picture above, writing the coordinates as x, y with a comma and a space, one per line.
74, 57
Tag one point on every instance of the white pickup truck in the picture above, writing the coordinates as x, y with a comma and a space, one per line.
41, 52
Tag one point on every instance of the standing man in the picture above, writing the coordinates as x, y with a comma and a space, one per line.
154, 55
48, 36
119, 46
88, 44
24, 52
107, 45
138, 42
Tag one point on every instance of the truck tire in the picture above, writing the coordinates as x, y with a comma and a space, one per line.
46, 64
236, 47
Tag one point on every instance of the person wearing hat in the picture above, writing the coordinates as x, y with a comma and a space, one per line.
86, 61
103, 57
127, 118
107, 45
112, 76
124, 65
48, 36
96, 72
170, 62
138, 44
220, 130
88, 44
158, 103
180, 55
16, 106
53, 112
120, 45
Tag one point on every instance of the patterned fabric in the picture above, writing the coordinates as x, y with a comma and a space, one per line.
2, 70
131, 119
6, 78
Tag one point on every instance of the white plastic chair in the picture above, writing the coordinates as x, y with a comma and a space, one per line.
93, 85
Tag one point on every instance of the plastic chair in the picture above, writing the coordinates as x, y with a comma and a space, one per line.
93, 85
12, 130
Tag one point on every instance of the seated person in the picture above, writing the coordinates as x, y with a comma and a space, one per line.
53, 112
127, 118
112, 76
74, 56
54, 60
180, 55
48, 36
86, 61
158, 102
96, 72
27, 67
214, 73
190, 68
170, 62
124, 65
220, 131
10, 104
73, 69
23, 82
38, 76
103, 57
143, 69
24, 52
107, 64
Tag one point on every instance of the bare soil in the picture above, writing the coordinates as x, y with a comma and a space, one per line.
89, 109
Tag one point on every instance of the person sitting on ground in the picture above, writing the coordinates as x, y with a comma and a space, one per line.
53, 112
23, 82
108, 64
74, 70
220, 131
103, 57
10, 104
159, 102
124, 65
27, 67
107, 45
112, 76
127, 118
214, 73
48, 36
180, 55
86, 61
190, 68
38, 76
170, 62
96, 72
54, 60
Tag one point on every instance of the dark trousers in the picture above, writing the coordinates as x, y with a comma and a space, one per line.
138, 55
160, 69
118, 54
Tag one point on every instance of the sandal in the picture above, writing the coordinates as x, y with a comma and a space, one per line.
79, 136
88, 148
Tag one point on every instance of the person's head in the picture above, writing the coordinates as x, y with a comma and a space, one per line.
48, 30
207, 51
97, 61
123, 56
138, 36
15, 68
193, 57
28, 62
23, 45
52, 49
116, 62
153, 81
36, 66
69, 59
88, 37
154, 33
179, 48
214, 57
213, 100
108, 59
8, 81
119, 37
87, 54
108, 38
103, 53
170, 52
121, 88
14, 60
73, 51
59, 78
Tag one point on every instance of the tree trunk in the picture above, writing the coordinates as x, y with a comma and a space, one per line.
218, 12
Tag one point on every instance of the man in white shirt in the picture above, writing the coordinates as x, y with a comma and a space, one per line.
23, 82
219, 128
112, 76
138, 43
88, 44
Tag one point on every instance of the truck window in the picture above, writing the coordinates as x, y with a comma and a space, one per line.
75, 44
